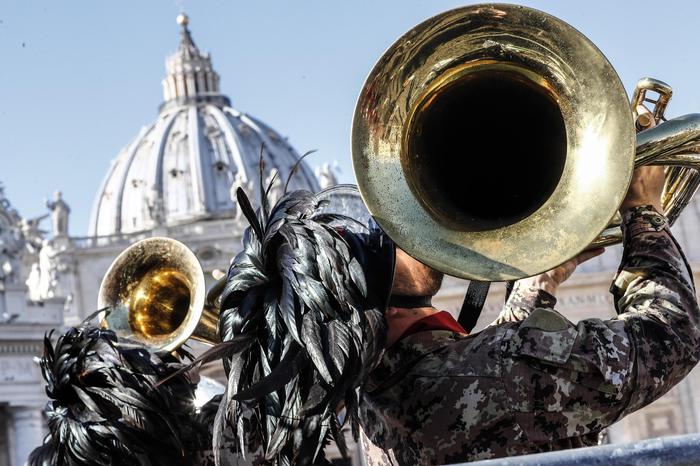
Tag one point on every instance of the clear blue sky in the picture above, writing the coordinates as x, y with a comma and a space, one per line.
79, 78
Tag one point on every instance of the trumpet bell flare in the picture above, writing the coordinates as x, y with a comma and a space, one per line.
154, 291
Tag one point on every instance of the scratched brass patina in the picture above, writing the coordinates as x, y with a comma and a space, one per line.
494, 142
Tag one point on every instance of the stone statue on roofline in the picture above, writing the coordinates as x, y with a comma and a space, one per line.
326, 176
59, 215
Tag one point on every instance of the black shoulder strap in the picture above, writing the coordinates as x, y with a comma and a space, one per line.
473, 304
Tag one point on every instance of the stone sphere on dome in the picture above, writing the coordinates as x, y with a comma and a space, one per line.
182, 19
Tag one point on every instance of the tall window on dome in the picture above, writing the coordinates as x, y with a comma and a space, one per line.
221, 163
199, 84
134, 214
177, 173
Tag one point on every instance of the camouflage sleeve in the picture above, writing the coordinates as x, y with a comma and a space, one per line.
522, 300
655, 296
568, 380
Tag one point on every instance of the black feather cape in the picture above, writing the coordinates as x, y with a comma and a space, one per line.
304, 328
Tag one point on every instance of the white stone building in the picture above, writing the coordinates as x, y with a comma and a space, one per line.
176, 179
23, 322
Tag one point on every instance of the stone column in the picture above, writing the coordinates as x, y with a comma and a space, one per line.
27, 424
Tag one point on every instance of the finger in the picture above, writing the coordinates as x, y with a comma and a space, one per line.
590, 254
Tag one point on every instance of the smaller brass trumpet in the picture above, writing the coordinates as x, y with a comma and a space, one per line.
155, 293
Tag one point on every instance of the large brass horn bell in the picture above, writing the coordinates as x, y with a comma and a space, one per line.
155, 293
494, 142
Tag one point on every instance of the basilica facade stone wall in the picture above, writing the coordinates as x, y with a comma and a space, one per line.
23, 324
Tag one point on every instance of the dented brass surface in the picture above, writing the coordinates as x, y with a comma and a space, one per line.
402, 190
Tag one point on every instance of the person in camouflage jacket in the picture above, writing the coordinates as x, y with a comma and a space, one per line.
533, 381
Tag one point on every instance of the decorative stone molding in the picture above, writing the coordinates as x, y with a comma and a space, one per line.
27, 348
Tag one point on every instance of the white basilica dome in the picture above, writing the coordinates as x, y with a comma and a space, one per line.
181, 168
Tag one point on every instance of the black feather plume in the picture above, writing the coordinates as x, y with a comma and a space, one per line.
248, 212
298, 291
105, 409
295, 168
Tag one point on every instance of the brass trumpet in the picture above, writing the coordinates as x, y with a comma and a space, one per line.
494, 142
155, 293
